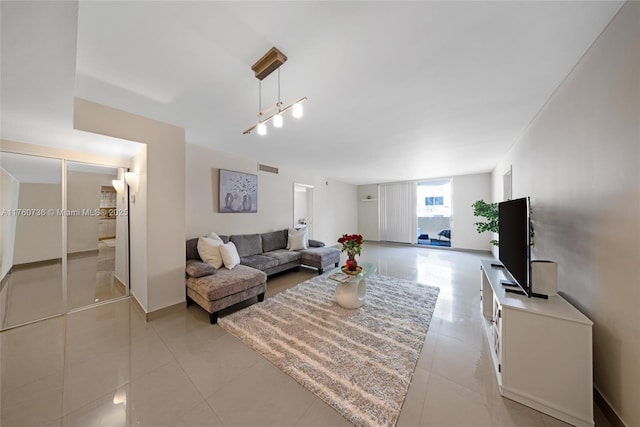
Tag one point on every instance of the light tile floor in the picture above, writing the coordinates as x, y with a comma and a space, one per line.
32, 293
106, 366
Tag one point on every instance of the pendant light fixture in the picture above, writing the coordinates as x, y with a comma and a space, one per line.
270, 62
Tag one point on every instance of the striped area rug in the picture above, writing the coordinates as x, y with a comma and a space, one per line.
358, 361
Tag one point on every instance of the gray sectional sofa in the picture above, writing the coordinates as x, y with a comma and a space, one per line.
268, 252
261, 255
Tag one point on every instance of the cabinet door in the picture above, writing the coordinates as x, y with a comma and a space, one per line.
497, 329
111, 228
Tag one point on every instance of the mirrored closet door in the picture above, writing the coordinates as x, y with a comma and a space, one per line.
31, 266
97, 240
64, 237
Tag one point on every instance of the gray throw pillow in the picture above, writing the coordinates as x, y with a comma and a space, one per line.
197, 269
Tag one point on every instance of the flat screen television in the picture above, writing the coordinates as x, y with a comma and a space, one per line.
514, 243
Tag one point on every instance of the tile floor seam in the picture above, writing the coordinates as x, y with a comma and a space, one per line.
297, 422
458, 383
99, 398
239, 374
183, 369
424, 397
432, 372
175, 359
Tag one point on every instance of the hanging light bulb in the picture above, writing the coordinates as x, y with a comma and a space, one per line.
277, 120
270, 62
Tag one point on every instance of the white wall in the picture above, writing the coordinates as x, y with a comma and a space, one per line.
83, 192
9, 192
162, 187
337, 212
578, 161
38, 238
465, 190
122, 235
334, 207
138, 229
368, 225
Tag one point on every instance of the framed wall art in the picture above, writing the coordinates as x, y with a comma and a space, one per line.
238, 192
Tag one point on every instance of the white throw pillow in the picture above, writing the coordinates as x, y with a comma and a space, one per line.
209, 251
293, 232
297, 242
230, 255
214, 236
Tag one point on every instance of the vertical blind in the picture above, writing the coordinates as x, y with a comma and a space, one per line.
398, 218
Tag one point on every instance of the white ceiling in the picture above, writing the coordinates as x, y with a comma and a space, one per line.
397, 90
32, 169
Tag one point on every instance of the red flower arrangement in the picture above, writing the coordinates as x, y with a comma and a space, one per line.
351, 243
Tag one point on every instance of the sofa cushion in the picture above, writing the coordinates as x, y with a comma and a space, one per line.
297, 241
261, 262
320, 257
315, 243
274, 240
294, 232
227, 282
197, 269
192, 249
247, 244
209, 251
229, 255
283, 256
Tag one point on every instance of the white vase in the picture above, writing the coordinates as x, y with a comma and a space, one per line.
352, 293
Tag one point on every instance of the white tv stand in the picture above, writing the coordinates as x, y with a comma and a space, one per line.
541, 350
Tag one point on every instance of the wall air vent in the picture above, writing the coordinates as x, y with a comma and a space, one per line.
265, 168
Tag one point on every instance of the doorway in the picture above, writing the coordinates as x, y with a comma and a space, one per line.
434, 212
303, 207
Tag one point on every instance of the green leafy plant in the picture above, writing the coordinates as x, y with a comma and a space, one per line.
351, 243
490, 212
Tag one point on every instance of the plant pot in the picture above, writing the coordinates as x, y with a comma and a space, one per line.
352, 264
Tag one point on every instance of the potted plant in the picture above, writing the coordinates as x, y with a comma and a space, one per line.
490, 212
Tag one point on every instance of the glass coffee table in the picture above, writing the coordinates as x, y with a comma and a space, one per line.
351, 289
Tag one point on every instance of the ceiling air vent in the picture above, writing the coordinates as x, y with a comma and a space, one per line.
265, 168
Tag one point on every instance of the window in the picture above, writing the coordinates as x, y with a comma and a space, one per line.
434, 198
434, 201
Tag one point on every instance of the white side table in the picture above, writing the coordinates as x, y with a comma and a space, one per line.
351, 293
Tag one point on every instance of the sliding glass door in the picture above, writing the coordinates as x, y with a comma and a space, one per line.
433, 209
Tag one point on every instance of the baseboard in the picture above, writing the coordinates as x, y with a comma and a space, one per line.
157, 313
608, 412
35, 264
119, 284
83, 254
163, 311
5, 279
137, 305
